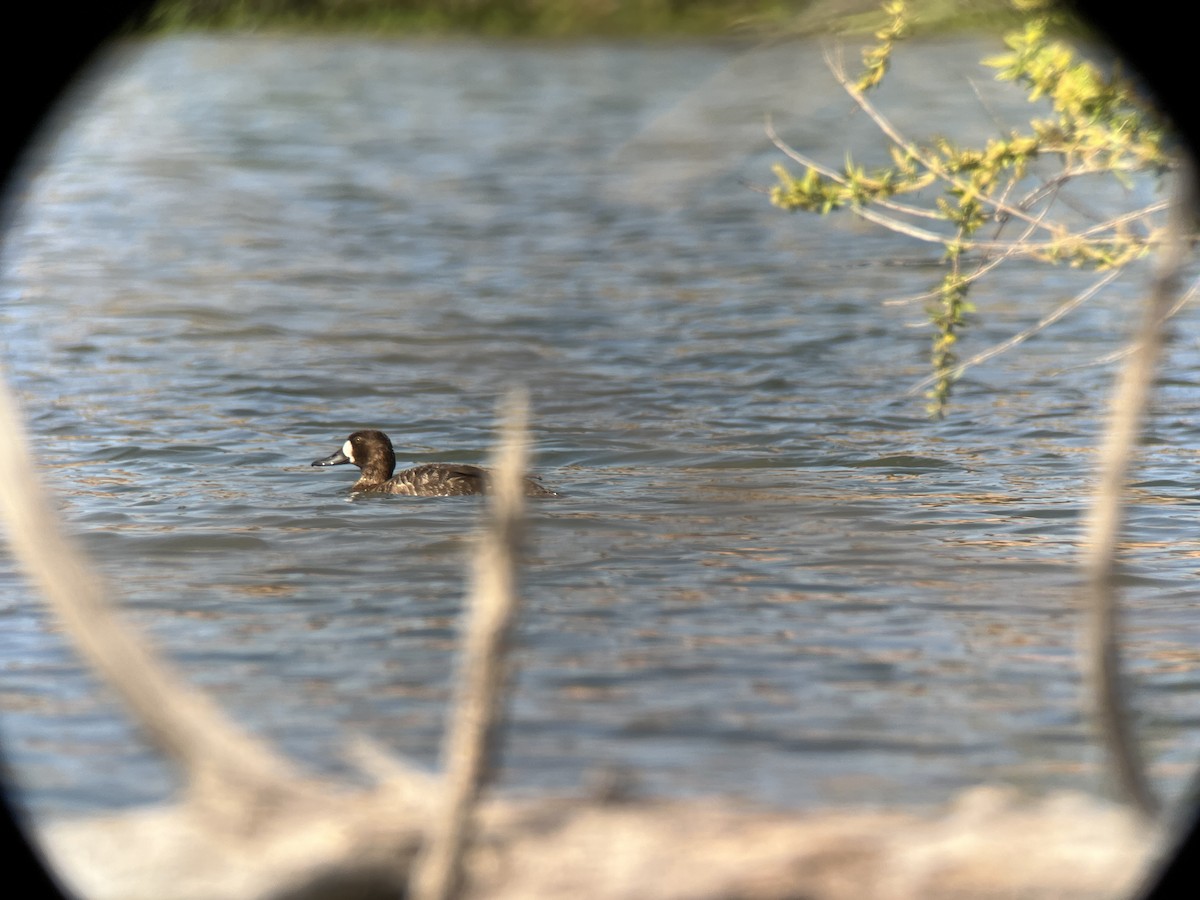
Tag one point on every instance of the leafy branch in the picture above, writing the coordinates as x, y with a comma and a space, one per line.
939, 192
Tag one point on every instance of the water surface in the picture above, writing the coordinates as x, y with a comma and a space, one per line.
770, 575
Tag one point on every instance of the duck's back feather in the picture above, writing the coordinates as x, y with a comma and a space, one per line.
436, 480
444, 480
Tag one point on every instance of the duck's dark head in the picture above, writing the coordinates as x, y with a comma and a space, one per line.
371, 451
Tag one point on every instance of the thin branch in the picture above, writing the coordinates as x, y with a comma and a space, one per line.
1137, 215
482, 673
920, 234
1022, 247
1019, 338
926, 296
795, 155
982, 269
1125, 351
1052, 185
1105, 521
1048, 185
986, 105
893, 134
890, 131
213, 752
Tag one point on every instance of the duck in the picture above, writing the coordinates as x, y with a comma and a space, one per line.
372, 452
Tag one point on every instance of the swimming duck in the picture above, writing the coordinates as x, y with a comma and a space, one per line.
372, 452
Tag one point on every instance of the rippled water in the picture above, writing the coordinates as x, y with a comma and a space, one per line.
770, 574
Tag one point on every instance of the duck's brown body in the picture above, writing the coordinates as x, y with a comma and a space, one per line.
372, 452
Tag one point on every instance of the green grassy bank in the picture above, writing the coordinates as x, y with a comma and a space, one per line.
562, 18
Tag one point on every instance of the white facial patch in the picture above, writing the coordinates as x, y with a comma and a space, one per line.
348, 450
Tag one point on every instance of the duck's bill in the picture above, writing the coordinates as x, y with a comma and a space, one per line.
334, 459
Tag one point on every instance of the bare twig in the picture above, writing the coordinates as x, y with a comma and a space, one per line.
982, 269
482, 676
221, 761
1022, 336
884, 124
1100, 561
1125, 351
1137, 215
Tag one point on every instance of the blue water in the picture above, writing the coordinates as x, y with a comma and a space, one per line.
770, 574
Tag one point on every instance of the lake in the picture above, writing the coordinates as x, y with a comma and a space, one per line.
769, 576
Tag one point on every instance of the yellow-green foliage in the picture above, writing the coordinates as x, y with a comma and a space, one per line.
1098, 127
494, 18
876, 58
1098, 121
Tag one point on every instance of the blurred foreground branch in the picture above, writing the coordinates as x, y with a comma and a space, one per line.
1130, 405
222, 764
277, 833
482, 673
